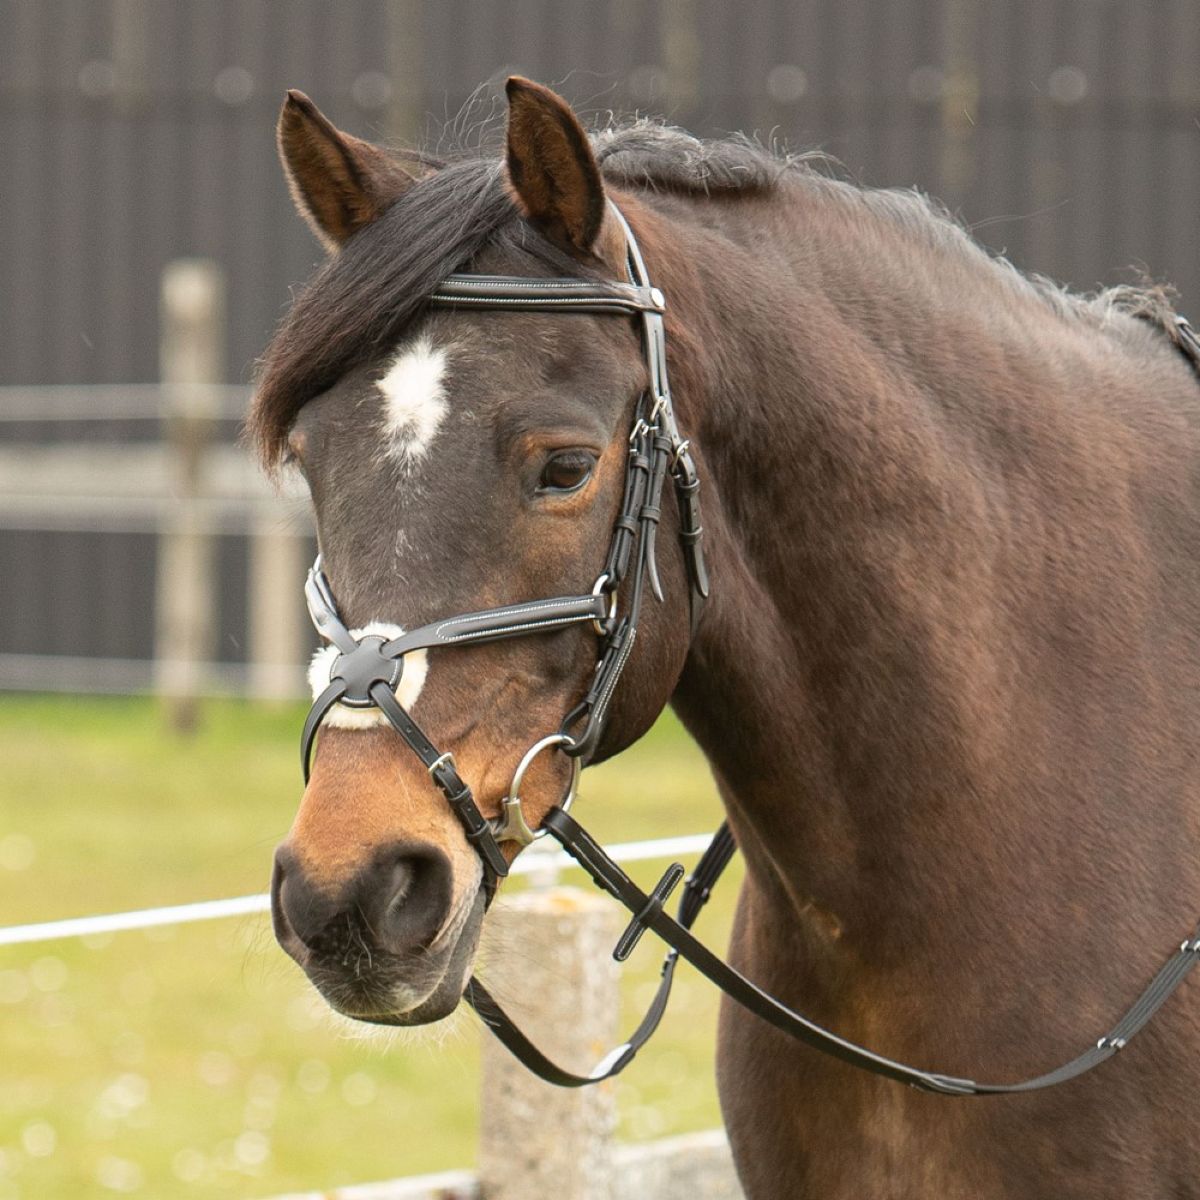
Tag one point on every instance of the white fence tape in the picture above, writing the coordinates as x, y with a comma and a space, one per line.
541, 859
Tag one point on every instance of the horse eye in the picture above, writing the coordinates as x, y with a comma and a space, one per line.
566, 472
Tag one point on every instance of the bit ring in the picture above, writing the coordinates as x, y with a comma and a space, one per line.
511, 825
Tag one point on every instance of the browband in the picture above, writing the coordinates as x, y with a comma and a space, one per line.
515, 291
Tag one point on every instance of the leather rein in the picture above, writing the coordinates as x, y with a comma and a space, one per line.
368, 669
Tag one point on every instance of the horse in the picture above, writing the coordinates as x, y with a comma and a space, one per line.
947, 676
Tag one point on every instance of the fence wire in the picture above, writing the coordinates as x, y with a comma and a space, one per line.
541, 864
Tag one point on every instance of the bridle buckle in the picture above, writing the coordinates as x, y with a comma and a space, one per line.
442, 760
603, 628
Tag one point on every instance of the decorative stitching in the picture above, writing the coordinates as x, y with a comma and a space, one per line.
631, 305
517, 281
517, 628
610, 685
517, 610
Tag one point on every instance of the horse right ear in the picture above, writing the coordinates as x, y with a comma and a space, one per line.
554, 176
339, 183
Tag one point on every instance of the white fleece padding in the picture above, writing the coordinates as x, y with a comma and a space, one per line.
415, 399
416, 668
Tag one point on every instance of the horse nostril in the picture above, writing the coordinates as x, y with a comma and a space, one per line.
299, 912
399, 885
283, 930
404, 896
397, 903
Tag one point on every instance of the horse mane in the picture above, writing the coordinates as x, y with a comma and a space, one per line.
648, 154
931, 223
359, 302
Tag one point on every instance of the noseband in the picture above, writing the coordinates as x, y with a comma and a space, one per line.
368, 669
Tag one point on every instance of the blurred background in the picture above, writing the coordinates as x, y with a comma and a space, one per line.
134, 133
149, 656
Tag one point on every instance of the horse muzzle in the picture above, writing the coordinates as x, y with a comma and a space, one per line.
387, 945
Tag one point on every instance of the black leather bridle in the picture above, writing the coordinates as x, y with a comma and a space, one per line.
368, 669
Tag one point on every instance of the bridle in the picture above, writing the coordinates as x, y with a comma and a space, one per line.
368, 669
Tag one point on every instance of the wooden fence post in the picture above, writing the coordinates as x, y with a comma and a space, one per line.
558, 979
277, 631
191, 359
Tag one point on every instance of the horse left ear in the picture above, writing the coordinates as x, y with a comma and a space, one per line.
339, 182
553, 172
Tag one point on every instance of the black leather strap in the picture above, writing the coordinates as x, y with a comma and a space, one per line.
513, 620
650, 453
321, 705
506, 1030
367, 669
441, 770
1189, 341
695, 893
515, 291
322, 608
608, 875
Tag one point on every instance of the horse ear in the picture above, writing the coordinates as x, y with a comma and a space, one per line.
339, 183
552, 170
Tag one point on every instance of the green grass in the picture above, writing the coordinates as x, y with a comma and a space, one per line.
196, 1061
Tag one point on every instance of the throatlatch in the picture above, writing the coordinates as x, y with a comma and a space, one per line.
368, 669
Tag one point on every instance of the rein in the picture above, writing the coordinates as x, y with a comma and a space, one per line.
368, 669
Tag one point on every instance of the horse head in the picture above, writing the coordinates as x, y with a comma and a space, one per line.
458, 460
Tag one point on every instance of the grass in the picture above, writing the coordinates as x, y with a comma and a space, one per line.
196, 1061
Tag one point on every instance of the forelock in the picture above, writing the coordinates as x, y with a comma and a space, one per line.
359, 304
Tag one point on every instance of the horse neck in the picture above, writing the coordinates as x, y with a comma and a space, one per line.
839, 681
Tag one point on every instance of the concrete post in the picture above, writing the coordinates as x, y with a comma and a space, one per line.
554, 973
191, 361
